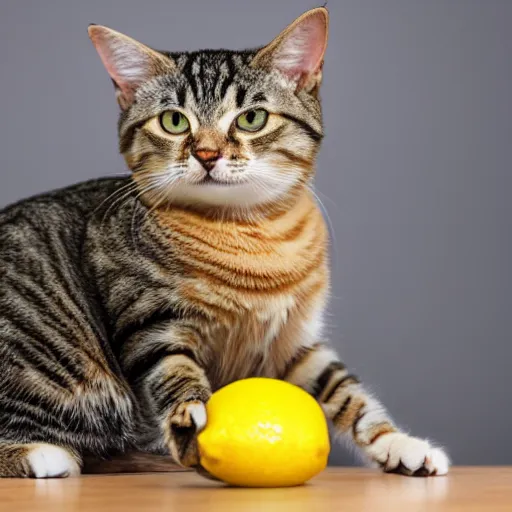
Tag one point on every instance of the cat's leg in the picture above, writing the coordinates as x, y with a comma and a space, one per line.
165, 371
37, 460
52, 411
58, 397
357, 414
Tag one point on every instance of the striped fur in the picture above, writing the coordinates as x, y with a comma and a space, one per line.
126, 302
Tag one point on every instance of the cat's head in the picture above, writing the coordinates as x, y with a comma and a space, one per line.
217, 128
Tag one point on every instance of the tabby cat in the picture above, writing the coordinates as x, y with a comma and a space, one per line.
125, 303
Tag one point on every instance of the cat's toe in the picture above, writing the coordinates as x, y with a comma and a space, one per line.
185, 422
190, 415
400, 453
437, 462
49, 461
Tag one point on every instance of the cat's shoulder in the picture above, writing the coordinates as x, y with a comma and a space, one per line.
81, 197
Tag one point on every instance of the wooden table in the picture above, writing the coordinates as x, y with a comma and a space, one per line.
337, 489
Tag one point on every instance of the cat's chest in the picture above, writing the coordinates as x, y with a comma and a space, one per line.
250, 289
247, 333
249, 339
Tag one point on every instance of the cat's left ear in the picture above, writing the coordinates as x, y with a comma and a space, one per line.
298, 52
128, 62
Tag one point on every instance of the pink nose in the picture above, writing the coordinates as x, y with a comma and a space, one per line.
207, 158
207, 154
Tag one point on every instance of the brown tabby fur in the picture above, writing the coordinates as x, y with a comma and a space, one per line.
256, 285
126, 303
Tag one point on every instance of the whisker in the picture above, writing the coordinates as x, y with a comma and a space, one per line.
166, 188
148, 188
119, 201
132, 187
329, 224
111, 196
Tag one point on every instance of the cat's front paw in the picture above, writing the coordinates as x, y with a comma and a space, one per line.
400, 453
185, 421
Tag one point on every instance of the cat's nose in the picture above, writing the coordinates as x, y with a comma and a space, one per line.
207, 157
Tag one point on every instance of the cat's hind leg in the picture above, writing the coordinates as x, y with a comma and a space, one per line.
37, 460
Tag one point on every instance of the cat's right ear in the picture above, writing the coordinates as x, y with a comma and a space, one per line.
128, 62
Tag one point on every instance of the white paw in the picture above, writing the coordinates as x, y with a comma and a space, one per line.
197, 412
400, 453
49, 461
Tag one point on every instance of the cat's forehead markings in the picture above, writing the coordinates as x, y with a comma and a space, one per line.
196, 67
259, 97
227, 110
224, 74
182, 60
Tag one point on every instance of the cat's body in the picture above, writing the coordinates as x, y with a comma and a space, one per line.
125, 303
68, 251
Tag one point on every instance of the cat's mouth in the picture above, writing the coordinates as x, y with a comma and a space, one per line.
209, 180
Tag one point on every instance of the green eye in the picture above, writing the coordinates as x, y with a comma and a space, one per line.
253, 120
174, 122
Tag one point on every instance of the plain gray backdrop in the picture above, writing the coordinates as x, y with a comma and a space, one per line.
415, 174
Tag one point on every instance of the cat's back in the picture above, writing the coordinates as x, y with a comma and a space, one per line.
81, 199
43, 236
61, 213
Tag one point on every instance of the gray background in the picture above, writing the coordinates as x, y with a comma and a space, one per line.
415, 173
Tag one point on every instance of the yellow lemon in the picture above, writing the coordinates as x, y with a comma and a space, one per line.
264, 433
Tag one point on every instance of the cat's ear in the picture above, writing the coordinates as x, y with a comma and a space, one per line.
298, 51
128, 62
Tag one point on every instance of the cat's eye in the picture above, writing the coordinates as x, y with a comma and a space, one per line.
252, 120
174, 122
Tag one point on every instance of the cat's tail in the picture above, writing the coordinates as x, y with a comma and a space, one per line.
37, 460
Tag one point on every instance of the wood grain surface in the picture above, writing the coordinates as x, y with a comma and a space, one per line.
337, 489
